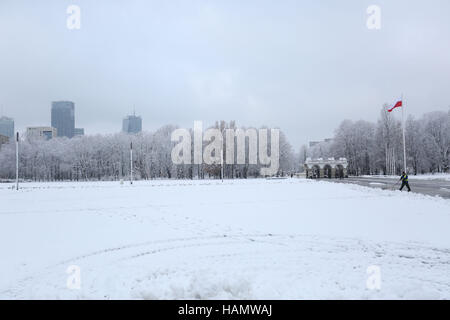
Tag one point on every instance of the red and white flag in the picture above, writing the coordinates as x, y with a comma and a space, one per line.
398, 104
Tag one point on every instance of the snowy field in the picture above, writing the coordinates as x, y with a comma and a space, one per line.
255, 239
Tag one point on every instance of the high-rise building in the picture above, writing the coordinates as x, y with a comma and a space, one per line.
79, 132
7, 127
3, 140
46, 133
132, 124
63, 118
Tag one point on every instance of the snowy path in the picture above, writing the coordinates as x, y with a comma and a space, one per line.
253, 239
419, 184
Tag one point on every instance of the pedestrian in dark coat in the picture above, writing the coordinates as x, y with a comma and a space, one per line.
404, 179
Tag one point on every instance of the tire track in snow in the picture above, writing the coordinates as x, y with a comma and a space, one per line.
394, 256
158, 242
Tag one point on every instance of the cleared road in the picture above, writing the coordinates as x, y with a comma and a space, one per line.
428, 187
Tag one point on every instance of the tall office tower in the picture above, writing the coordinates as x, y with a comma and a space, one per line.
63, 118
7, 127
3, 140
132, 124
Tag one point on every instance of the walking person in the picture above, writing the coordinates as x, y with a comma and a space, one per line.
404, 179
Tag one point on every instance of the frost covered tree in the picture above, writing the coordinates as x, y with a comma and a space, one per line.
107, 157
354, 141
378, 148
437, 136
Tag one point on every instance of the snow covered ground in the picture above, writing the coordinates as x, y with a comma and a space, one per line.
429, 176
254, 239
435, 176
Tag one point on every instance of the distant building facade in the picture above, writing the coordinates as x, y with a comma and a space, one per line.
7, 127
3, 140
46, 133
312, 144
79, 132
63, 118
132, 124
326, 168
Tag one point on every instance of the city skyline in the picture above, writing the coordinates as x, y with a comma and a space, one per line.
119, 127
130, 123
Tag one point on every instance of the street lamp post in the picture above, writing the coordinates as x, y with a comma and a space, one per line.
17, 161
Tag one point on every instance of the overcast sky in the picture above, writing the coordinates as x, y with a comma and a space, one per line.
303, 66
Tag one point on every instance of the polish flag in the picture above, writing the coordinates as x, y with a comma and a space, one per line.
398, 104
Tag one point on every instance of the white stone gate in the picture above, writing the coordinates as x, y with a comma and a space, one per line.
326, 168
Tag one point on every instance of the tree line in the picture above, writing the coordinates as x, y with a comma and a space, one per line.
377, 148
370, 148
107, 157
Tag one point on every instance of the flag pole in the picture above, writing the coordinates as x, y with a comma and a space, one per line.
404, 144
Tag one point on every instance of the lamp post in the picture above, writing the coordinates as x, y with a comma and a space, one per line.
131, 162
17, 161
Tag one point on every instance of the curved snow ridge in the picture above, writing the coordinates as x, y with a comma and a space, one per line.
157, 242
253, 267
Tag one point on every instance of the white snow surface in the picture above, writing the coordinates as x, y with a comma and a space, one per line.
240, 239
435, 176
428, 176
